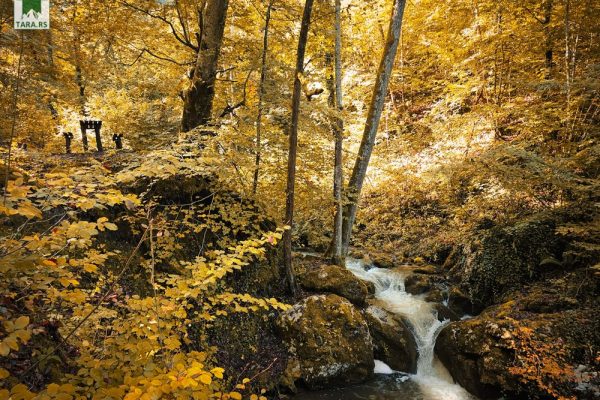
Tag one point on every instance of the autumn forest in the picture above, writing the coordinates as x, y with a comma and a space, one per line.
299, 199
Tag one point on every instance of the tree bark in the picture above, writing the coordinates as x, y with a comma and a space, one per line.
261, 96
293, 146
52, 78
337, 256
376, 107
549, 53
568, 54
198, 99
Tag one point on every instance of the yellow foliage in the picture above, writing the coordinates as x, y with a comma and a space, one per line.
65, 273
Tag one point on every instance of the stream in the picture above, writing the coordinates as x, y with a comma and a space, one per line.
432, 380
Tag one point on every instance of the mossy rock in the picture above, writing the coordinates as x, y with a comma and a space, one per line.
421, 283
329, 342
542, 342
383, 260
393, 340
444, 313
337, 280
506, 257
462, 304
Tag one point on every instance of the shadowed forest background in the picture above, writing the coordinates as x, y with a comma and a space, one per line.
156, 270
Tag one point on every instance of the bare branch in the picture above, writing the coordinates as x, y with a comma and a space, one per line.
186, 35
229, 109
181, 40
164, 58
530, 11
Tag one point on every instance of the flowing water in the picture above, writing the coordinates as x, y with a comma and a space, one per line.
431, 381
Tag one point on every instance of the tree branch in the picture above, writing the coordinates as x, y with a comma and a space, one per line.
186, 35
181, 40
530, 11
229, 109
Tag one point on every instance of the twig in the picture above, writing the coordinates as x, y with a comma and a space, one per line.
264, 370
152, 276
98, 304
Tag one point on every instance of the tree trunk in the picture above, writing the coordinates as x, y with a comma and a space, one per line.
81, 84
568, 53
198, 99
52, 78
337, 256
293, 146
549, 53
261, 96
368, 141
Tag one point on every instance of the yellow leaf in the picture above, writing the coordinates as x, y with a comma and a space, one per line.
4, 349
235, 396
90, 268
27, 210
133, 395
67, 388
9, 326
66, 282
53, 388
24, 335
110, 226
19, 389
217, 372
22, 322
11, 342
4, 373
206, 379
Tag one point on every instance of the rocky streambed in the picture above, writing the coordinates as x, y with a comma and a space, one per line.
411, 332
367, 328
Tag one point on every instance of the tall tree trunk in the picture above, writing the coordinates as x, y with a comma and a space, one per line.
337, 256
293, 147
368, 141
261, 96
198, 99
81, 84
568, 53
549, 53
52, 78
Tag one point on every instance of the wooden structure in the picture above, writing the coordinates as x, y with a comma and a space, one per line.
96, 126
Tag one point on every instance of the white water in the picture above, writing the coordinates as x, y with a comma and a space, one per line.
433, 379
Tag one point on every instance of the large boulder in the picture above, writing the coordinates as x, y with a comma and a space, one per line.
462, 304
329, 343
417, 283
393, 342
444, 313
505, 257
383, 260
541, 343
337, 280
476, 359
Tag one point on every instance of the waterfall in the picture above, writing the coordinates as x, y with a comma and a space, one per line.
432, 377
